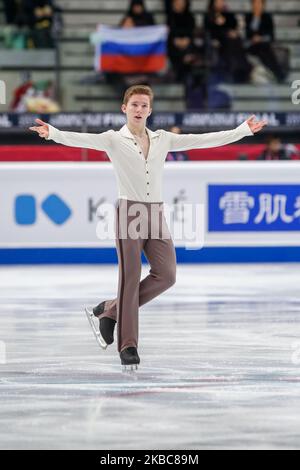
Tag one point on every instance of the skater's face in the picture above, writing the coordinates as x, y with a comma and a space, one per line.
137, 109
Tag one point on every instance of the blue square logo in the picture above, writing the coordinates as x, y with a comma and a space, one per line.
25, 210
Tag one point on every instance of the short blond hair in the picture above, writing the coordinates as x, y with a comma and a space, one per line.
138, 90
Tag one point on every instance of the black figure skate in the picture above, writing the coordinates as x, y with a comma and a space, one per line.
129, 359
105, 334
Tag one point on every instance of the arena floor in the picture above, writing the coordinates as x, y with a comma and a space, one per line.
220, 361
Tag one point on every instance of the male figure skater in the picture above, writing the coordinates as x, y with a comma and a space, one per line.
138, 156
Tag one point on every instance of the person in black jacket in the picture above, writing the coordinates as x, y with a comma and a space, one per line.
10, 9
180, 18
17, 12
40, 15
182, 50
260, 35
222, 27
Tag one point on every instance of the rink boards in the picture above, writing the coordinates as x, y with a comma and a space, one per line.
216, 212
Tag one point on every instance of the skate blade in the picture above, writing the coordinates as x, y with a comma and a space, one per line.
97, 334
129, 367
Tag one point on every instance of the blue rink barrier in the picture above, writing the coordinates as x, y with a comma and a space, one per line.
17, 256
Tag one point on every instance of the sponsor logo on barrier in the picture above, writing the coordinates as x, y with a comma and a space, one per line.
296, 93
53, 207
2, 352
254, 208
94, 208
2, 92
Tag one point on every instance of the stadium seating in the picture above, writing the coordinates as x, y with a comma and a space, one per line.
76, 58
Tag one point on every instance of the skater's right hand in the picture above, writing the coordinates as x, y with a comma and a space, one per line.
42, 129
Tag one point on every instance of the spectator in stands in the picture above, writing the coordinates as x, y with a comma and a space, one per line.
180, 18
40, 14
222, 27
16, 33
182, 51
127, 22
274, 150
10, 11
176, 156
168, 6
34, 22
183, 55
137, 15
260, 35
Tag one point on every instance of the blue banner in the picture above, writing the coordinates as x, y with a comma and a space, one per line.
253, 208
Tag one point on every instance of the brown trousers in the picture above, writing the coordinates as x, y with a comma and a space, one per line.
151, 236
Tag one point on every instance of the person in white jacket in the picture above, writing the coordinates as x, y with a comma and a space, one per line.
138, 155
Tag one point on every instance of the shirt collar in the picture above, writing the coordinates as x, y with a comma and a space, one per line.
126, 133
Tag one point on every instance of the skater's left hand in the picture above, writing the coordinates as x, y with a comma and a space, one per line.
255, 125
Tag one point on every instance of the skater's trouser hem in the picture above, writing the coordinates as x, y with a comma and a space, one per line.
156, 243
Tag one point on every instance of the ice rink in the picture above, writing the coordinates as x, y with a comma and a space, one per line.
220, 361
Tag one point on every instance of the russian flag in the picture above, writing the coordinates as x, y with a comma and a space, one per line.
130, 50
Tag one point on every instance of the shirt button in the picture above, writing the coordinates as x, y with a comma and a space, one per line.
148, 183
140, 152
148, 194
135, 143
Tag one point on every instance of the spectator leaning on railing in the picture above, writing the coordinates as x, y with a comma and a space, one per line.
260, 35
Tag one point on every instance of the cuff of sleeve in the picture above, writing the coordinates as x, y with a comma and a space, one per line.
51, 132
245, 129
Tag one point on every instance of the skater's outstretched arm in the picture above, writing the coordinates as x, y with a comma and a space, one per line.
73, 139
214, 139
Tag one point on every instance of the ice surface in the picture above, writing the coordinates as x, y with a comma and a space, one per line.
220, 361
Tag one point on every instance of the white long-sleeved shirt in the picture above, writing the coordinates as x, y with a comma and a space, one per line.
140, 178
